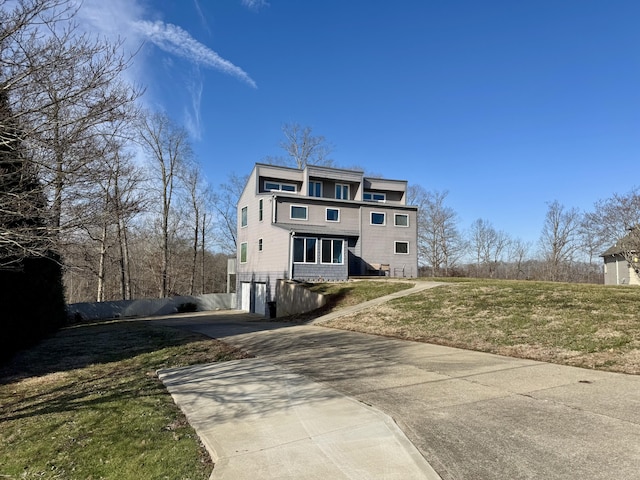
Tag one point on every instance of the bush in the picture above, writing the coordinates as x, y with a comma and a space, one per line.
187, 307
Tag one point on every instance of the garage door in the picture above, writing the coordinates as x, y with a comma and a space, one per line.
245, 296
260, 298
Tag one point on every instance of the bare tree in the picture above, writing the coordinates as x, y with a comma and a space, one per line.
66, 88
440, 244
168, 150
518, 252
302, 148
489, 246
559, 240
225, 203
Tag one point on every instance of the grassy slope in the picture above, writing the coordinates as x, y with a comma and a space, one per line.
576, 324
87, 404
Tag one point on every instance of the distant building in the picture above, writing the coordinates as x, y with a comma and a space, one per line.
320, 224
622, 262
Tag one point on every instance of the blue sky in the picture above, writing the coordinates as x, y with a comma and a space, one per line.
507, 105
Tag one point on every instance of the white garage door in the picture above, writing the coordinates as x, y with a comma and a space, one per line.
260, 298
245, 296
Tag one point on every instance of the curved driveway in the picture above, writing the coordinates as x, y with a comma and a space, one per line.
472, 415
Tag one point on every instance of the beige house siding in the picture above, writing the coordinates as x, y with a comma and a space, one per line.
617, 271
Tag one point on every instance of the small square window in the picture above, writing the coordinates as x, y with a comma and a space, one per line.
401, 220
402, 248
298, 213
377, 218
333, 215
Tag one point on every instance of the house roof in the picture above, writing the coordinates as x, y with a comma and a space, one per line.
316, 230
628, 243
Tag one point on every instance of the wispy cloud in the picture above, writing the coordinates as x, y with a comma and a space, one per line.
175, 40
255, 5
192, 112
203, 18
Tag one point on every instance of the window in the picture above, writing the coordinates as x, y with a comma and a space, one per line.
333, 215
260, 204
279, 187
259, 244
244, 216
304, 250
374, 197
342, 191
402, 247
315, 189
331, 251
299, 213
377, 218
243, 252
401, 220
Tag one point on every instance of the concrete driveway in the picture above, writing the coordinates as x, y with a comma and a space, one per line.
471, 415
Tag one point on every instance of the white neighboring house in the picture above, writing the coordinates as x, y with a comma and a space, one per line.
320, 224
618, 269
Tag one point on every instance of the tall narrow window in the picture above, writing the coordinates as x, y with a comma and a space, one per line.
260, 204
243, 252
342, 191
259, 244
244, 216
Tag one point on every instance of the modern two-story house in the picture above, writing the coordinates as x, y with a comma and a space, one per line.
320, 224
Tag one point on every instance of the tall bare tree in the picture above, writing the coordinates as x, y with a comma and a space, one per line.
559, 240
489, 246
302, 148
169, 151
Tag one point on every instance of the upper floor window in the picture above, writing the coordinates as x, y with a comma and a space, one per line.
243, 216
259, 244
315, 189
243, 252
280, 187
298, 213
260, 205
374, 197
378, 218
401, 220
342, 191
333, 215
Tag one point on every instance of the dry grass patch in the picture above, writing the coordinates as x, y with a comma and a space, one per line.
575, 324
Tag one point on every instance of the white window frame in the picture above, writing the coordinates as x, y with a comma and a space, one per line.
279, 186
313, 183
244, 216
244, 246
395, 219
322, 240
395, 247
305, 240
384, 222
260, 245
341, 187
306, 210
372, 194
326, 214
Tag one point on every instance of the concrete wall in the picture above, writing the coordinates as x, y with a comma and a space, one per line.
151, 306
293, 298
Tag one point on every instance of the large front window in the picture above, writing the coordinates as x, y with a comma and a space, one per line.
304, 250
331, 251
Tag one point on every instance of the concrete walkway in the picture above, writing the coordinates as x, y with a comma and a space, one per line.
471, 415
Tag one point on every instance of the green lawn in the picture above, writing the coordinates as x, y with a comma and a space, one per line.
592, 326
87, 404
